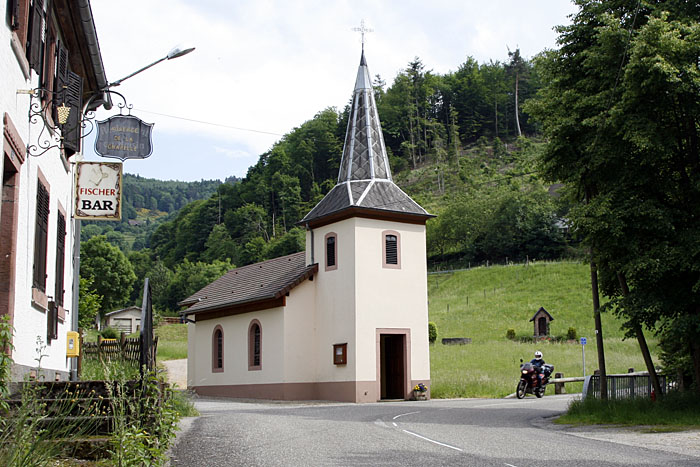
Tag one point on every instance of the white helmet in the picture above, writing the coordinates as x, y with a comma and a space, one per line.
538, 355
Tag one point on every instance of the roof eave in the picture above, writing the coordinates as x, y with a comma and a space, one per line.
370, 213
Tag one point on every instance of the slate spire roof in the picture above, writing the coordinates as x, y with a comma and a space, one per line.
364, 178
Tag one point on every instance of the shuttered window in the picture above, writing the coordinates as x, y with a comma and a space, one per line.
391, 253
52, 322
41, 237
60, 258
331, 251
73, 99
36, 36
391, 249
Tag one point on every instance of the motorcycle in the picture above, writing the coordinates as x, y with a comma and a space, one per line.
528, 380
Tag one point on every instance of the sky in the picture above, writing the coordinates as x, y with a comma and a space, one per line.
260, 68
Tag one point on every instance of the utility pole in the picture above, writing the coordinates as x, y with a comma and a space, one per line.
598, 330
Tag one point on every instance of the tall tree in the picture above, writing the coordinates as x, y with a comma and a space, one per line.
109, 270
621, 110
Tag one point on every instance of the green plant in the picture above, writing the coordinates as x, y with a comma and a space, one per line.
432, 332
571, 334
510, 334
676, 409
42, 416
110, 333
145, 419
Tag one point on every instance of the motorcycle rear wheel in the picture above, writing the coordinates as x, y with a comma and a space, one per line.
522, 387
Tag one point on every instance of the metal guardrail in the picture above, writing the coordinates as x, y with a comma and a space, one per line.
626, 386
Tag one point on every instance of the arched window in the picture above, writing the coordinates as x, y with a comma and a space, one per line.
254, 345
331, 251
391, 249
217, 350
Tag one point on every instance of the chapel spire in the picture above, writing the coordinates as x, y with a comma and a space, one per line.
364, 177
364, 153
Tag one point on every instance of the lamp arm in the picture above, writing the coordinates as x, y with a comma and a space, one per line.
119, 81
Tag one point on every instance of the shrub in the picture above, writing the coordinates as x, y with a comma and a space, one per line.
510, 334
432, 332
110, 333
571, 334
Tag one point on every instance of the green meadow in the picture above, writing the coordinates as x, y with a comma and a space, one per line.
483, 303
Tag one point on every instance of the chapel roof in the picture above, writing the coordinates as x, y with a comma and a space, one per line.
364, 178
259, 282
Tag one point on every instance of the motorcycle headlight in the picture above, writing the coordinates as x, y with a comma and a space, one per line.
524, 372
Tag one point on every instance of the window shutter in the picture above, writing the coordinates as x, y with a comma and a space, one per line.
74, 100
36, 28
60, 81
392, 256
52, 322
60, 259
41, 237
14, 15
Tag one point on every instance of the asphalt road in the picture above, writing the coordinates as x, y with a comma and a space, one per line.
469, 432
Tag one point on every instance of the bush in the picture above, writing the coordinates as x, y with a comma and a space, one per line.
571, 334
510, 334
110, 333
432, 332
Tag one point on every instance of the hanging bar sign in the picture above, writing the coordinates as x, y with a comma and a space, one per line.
124, 137
98, 191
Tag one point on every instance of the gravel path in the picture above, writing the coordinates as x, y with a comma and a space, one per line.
177, 372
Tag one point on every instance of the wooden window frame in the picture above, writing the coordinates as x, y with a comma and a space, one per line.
252, 364
216, 348
340, 354
386, 264
334, 236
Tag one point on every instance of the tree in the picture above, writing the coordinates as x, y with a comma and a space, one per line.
516, 68
109, 270
190, 277
89, 304
622, 114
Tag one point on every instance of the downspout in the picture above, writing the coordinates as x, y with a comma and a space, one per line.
312, 242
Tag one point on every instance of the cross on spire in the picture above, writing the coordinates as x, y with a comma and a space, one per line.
362, 30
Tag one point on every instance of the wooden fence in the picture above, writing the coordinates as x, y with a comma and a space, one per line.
125, 348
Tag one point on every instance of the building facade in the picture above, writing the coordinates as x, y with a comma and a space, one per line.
347, 319
49, 59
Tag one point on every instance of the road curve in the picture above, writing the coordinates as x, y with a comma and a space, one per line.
466, 432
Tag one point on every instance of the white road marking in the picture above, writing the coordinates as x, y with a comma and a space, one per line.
511, 465
394, 423
403, 414
432, 441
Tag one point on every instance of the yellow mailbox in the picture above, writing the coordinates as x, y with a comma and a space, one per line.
72, 344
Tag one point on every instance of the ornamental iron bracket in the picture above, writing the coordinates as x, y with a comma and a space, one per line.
55, 126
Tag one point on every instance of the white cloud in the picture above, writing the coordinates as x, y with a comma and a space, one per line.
270, 65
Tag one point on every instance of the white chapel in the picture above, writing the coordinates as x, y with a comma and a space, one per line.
345, 320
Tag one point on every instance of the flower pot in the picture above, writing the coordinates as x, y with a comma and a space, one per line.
420, 395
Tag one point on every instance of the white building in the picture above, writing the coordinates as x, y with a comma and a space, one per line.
48, 45
345, 320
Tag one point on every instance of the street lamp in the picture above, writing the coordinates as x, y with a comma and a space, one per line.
176, 52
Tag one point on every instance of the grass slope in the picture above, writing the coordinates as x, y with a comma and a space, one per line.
483, 303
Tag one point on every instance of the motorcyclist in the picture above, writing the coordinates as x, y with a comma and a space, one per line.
538, 363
